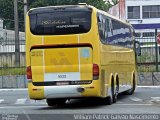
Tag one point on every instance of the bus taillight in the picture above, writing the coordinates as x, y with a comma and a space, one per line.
95, 71
29, 73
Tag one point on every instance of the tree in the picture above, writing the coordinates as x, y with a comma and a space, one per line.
7, 13
111, 3
101, 4
7, 8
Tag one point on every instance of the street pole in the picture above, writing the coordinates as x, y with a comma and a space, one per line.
16, 26
156, 50
25, 11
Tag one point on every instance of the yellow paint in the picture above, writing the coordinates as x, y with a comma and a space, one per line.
111, 59
37, 65
61, 59
35, 94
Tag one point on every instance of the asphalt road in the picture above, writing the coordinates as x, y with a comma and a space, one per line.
15, 105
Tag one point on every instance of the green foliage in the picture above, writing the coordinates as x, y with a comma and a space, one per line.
12, 71
40, 3
7, 8
7, 13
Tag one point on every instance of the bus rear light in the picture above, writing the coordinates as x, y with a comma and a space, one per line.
95, 71
29, 73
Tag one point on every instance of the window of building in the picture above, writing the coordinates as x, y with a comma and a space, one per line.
138, 34
133, 12
148, 34
152, 11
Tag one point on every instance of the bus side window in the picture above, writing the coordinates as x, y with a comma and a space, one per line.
137, 48
101, 27
108, 29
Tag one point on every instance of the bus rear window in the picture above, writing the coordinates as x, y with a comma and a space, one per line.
60, 22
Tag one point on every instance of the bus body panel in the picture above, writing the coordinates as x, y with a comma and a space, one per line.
53, 66
118, 60
76, 63
58, 64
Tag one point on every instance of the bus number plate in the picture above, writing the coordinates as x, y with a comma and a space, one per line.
62, 83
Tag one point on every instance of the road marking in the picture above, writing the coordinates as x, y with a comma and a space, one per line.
136, 99
37, 101
15, 107
21, 101
23, 89
155, 98
119, 102
1, 100
27, 116
148, 86
135, 104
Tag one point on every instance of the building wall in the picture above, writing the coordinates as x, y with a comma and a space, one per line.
7, 37
118, 10
7, 47
142, 3
144, 26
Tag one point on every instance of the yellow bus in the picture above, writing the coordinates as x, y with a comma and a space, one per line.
78, 51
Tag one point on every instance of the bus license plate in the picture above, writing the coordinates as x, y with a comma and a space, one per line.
62, 83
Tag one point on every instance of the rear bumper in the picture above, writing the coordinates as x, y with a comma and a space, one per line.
66, 91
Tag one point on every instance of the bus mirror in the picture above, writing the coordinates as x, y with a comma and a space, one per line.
138, 48
134, 34
158, 38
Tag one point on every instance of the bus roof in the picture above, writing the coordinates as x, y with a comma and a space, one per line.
60, 8
80, 7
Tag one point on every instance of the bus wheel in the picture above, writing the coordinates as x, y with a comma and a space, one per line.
116, 91
131, 91
56, 102
51, 102
109, 100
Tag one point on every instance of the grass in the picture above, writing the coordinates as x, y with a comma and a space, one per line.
22, 70
147, 68
12, 71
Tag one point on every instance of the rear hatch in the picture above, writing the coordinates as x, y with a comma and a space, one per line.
61, 64
56, 59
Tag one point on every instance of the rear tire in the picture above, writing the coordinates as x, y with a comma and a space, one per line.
109, 100
116, 90
56, 102
131, 91
106, 101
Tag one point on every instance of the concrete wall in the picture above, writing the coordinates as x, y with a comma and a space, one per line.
20, 81
118, 10
8, 59
149, 78
14, 81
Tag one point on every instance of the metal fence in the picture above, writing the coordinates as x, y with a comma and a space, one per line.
12, 76
149, 60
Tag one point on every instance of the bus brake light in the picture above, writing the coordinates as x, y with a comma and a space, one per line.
29, 72
95, 71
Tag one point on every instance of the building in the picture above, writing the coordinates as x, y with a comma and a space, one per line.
7, 37
7, 47
144, 15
